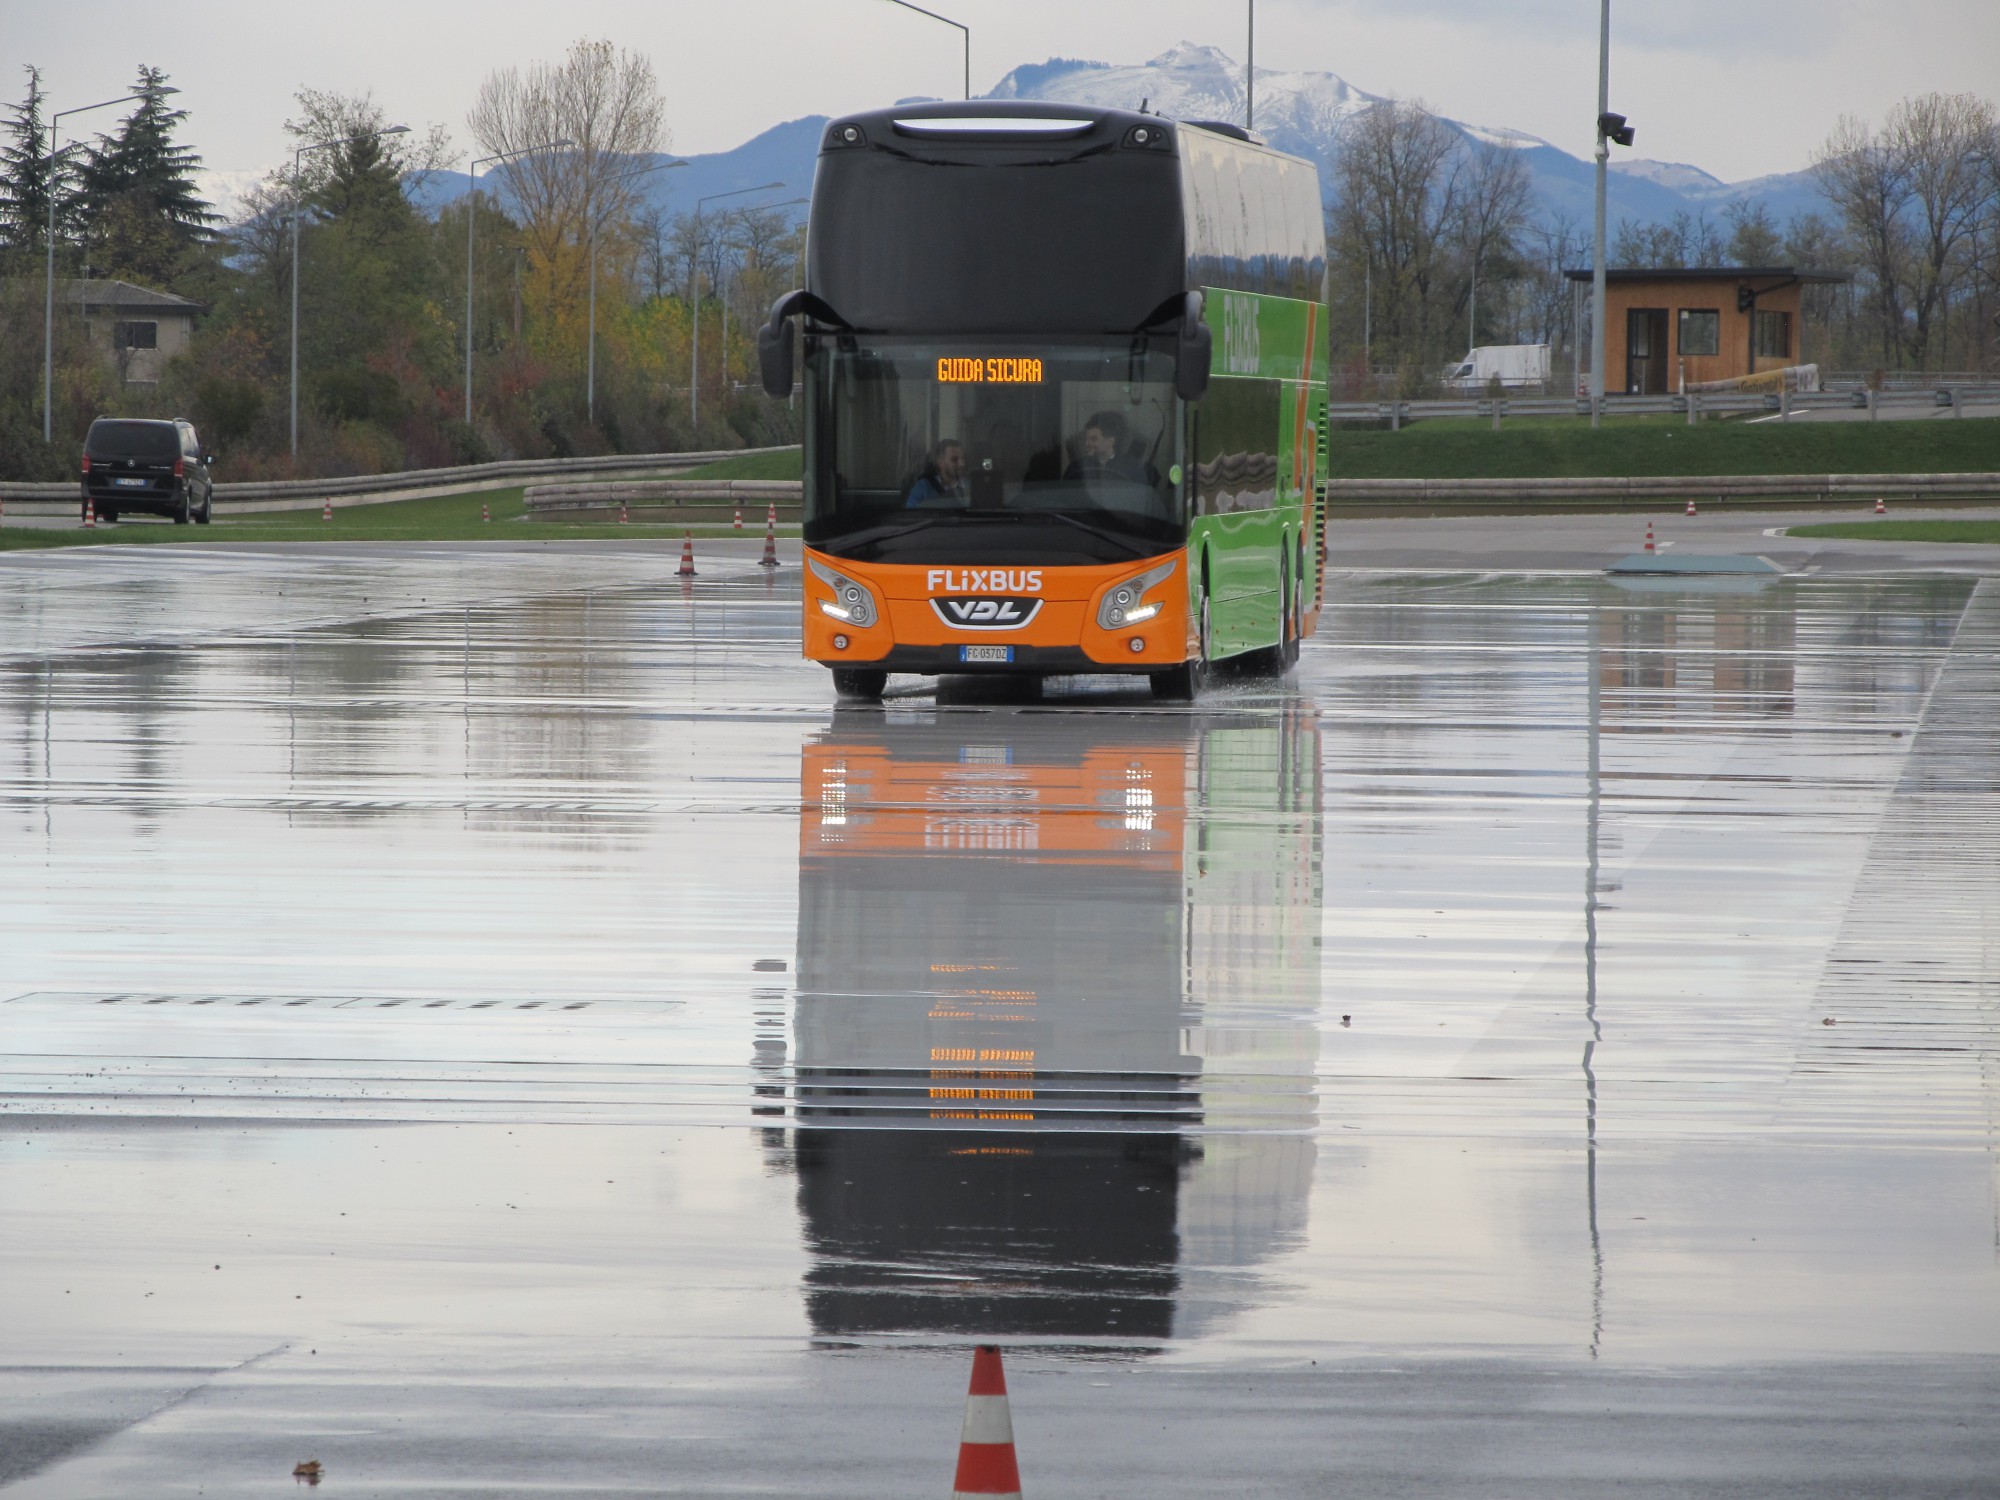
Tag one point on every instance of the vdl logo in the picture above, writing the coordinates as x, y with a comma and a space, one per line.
1242, 351
974, 612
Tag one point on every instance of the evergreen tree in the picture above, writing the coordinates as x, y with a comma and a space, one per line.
141, 212
25, 177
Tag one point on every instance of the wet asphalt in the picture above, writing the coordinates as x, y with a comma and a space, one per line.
480, 1017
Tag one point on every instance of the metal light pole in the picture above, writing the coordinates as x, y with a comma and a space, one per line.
298, 209
694, 286
49, 299
1597, 253
1250, 72
949, 22
590, 227
472, 213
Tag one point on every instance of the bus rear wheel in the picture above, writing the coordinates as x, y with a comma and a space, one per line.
859, 683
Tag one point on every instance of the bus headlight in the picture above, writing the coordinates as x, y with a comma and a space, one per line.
851, 603
1127, 604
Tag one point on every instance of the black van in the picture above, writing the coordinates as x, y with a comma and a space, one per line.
152, 467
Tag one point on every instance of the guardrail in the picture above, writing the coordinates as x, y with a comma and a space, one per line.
680, 494
1693, 405
309, 494
1797, 489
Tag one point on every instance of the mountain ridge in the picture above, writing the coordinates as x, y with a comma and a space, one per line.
1300, 111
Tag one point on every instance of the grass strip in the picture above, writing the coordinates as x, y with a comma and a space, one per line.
1448, 448
1987, 532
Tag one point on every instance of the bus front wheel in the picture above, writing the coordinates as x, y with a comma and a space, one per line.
1184, 683
859, 683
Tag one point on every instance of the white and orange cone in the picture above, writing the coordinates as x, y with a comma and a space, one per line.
624, 514
686, 569
986, 1466
484, 513
90, 515
1649, 538
770, 557
1880, 508
326, 511
738, 523
1691, 509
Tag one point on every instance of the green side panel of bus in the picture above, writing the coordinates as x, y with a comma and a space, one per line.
1263, 411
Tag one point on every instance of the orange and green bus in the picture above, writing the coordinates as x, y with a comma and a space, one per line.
1064, 383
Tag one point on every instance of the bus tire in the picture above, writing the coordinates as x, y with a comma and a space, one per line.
1293, 593
859, 683
1184, 683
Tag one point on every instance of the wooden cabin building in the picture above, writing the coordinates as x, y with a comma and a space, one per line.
1668, 329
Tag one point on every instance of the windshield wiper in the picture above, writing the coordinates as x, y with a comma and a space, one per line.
1137, 548
884, 533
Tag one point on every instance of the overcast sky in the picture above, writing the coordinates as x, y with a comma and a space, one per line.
1739, 87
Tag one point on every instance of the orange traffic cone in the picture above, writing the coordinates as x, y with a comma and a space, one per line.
90, 515
686, 569
484, 513
326, 510
770, 557
624, 514
1691, 509
1649, 538
738, 523
1880, 508
986, 1466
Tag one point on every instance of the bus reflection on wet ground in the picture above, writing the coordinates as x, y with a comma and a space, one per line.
1058, 985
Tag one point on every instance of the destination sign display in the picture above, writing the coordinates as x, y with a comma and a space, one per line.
1018, 371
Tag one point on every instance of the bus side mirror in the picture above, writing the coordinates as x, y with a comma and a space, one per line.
1196, 349
774, 352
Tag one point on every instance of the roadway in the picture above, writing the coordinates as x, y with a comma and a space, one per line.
477, 1016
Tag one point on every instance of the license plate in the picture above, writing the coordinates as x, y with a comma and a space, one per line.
130, 484
985, 653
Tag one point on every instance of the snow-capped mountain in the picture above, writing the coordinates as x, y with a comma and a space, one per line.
1297, 111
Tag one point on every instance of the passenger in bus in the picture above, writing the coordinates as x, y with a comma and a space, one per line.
943, 479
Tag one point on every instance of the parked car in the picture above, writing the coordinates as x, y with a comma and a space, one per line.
151, 467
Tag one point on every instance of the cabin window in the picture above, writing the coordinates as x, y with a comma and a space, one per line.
1701, 331
1774, 335
136, 335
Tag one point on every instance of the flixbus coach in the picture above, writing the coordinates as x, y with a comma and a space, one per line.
1064, 386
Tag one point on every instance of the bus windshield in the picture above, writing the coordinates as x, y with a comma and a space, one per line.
984, 449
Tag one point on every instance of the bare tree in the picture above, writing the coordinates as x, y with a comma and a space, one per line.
1396, 208
1868, 184
1754, 239
1941, 140
1684, 240
326, 116
606, 102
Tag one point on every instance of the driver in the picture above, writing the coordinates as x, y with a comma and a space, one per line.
943, 479
1100, 454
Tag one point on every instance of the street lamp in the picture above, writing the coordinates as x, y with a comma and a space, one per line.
694, 288
298, 209
949, 22
590, 212
471, 213
788, 203
49, 301
1610, 127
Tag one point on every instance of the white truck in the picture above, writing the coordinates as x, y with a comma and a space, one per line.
1515, 366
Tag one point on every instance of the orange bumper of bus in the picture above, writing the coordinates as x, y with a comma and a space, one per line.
923, 616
